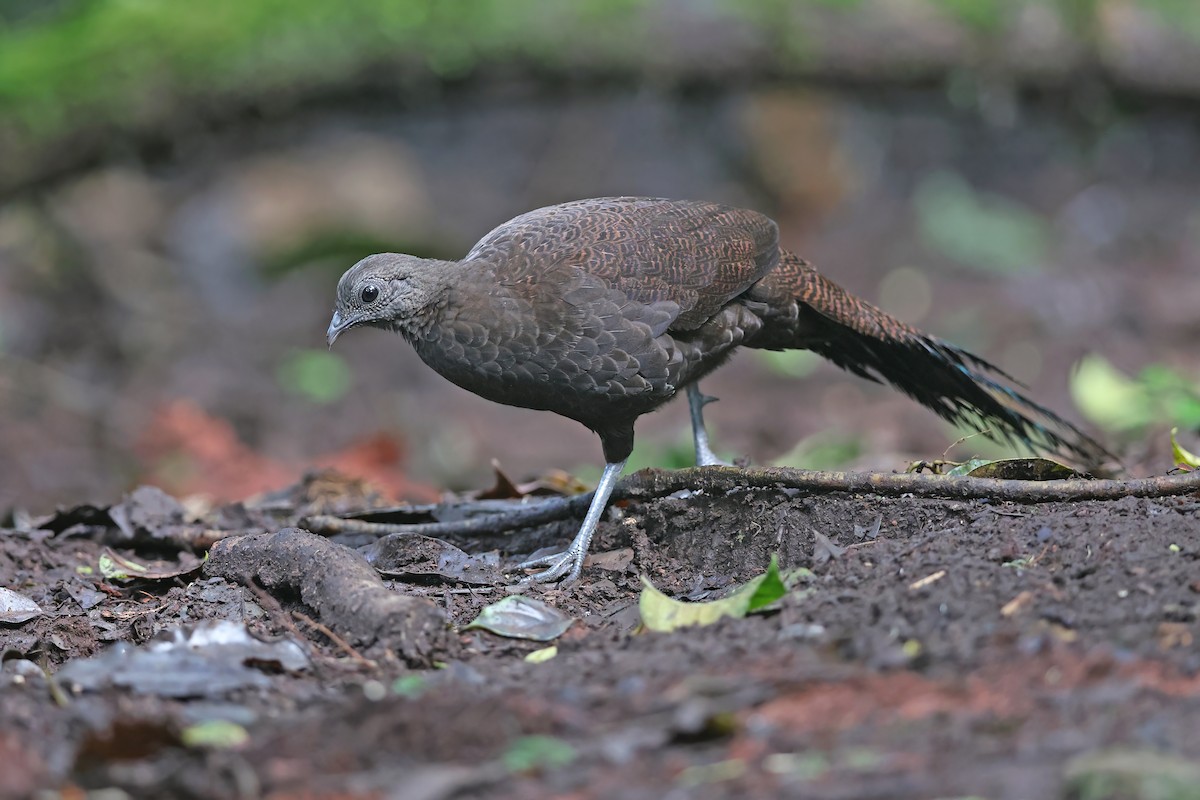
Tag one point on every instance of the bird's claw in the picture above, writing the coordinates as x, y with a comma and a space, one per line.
565, 565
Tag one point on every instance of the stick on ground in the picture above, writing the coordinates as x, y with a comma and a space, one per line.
347, 595
651, 483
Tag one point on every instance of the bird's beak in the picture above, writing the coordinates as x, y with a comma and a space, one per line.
336, 326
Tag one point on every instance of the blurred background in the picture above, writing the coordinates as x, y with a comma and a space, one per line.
181, 184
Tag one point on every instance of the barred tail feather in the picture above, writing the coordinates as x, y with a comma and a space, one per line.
955, 384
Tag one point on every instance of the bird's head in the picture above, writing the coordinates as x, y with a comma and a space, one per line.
387, 290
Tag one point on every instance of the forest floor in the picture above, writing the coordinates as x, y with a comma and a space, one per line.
934, 648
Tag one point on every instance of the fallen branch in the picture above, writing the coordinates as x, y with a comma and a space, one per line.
657, 483
547, 511
336, 582
651, 483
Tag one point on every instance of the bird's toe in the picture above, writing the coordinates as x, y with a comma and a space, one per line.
564, 566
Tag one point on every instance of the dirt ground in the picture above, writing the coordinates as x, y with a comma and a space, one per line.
937, 649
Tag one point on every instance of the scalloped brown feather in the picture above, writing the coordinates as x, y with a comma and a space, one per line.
602, 310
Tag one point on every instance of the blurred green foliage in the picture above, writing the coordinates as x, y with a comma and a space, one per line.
316, 375
118, 58
982, 15
1120, 404
1129, 774
676, 454
1181, 15
789, 363
537, 752
972, 442
72, 63
826, 450
336, 248
977, 230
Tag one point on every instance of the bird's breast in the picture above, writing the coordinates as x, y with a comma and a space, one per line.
581, 360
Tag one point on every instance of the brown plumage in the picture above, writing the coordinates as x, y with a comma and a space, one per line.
602, 310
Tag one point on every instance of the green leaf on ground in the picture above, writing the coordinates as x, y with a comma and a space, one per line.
409, 686
520, 617
1182, 455
539, 656
117, 568
1014, 469
537, 752
663, 614
770, 588
217, 733
964, 469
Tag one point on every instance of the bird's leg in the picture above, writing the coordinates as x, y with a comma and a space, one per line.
569, 562
705, 457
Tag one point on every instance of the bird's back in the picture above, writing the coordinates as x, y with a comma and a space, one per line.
697, 255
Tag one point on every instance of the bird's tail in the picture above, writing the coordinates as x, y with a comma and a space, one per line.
809, 311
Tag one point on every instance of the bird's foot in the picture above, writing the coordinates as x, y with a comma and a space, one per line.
705, 457
565, 565
568, 564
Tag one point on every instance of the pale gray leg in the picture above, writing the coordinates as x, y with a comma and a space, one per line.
570, 561
705, 457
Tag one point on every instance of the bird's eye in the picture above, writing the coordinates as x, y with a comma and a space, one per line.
370, 293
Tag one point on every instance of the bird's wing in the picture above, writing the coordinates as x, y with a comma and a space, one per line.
693, 256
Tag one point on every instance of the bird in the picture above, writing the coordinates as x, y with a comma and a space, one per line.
604, 309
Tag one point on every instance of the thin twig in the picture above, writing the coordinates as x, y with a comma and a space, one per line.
1002, 512
961, 439
341, 643
273, 607
651, 483
55, 688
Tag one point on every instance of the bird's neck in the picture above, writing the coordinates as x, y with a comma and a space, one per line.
433, 283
